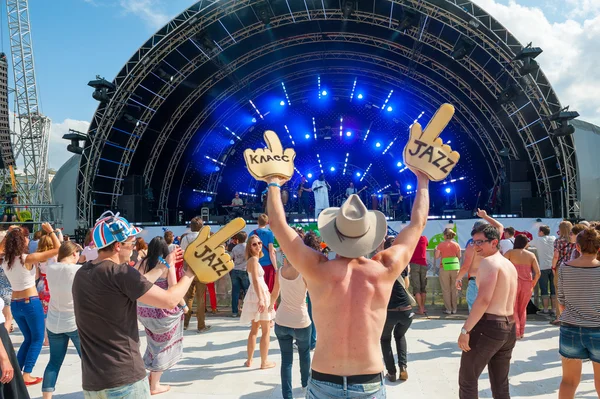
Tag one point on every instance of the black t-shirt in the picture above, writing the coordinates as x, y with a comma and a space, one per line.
105, 299
398, 299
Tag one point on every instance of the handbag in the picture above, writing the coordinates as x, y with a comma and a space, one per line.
411, 298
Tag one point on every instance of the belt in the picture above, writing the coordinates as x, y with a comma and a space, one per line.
471, 278
495, 317
26, 300
351, 380
400, 309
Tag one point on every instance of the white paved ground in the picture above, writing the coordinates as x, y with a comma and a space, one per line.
212, 366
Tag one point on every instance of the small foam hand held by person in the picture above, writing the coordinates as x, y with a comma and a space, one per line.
206, 256
270, 161
426, 152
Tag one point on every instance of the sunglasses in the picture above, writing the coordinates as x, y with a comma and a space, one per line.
256, 244
480, 242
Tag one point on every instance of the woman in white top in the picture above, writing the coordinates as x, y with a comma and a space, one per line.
291, 323
25, 303
256, 308
61, 314
90, 252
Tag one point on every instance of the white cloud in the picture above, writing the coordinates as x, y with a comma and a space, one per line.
151, 11
570, 59
583, 8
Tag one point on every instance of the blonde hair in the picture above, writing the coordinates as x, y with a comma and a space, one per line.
263, 220
449, 234
249, 247
66, 249
564, 229
45, 244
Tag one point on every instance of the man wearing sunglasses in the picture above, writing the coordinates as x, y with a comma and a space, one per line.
489, 335
471, 258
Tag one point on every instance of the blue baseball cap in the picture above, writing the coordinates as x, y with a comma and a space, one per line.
111, 228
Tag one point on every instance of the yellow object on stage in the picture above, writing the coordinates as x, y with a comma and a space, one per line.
426, 152
206, 255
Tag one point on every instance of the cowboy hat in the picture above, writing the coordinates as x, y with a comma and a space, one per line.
352, 231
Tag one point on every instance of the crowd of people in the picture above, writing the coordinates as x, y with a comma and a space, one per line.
94, 296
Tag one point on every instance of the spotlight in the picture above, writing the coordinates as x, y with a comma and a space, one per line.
75, 138
399, 164
510, 93
527, 55
348, 133
409, 19
263, 12
332, 169
463, 47
390, 109
347, 8
217, 169
231, 142
448, 190
360, 96
408, 187
253, 190
563, 117
357, 174
307, 136
309, 175
103, 89
282, 103
208, 199
253, 120
378, 144
324, 93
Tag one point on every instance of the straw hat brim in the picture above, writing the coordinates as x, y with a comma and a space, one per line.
352, 247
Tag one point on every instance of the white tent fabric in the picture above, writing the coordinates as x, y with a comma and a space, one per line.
587, 142
64, 192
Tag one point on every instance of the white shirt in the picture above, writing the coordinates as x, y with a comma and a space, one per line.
61, 311
322, 195
90, 253
545, 250
188, 239
506, 245
18, 275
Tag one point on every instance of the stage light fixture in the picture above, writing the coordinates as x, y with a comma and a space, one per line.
324, 93
527, 55
307, 136
231, 142
332, 169
510, 93
282, 103
75, 137
253, 120
348, 134
463, 47
347, 8
309, 175
448, 190
103, 89
408, 187
378, 144
399, 164
409, 19
390, 109
357, 174
263, 13
360, 96
563, 117
208, 199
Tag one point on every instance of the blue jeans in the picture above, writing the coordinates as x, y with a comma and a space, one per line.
546, 277
579, 343
29, 315
58, 349
472, 291
319, 390
137, 390
286, 336
313, 332
239, 281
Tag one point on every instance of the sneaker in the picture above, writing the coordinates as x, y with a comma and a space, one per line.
185, 328
234, 315
403, 374
454, 311
205, 329
390, 377
543, 312
447, 312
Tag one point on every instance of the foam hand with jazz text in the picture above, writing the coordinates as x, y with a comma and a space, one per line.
426, 152
270, 161
206, 255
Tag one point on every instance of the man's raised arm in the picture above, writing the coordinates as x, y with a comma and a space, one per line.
398, 255
302, 257
483, 214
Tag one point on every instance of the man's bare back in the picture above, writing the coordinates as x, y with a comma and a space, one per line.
350, 300
503, 299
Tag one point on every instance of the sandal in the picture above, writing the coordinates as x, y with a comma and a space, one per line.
34, 382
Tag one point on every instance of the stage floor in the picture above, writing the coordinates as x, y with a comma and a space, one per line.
212, 366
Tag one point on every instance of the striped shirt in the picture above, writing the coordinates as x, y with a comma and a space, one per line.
578, 292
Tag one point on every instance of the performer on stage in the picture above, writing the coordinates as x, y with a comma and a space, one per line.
237, 201
303, 197
350, 190
321, 189
402, 203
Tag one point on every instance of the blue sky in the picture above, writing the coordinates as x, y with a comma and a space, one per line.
76, 39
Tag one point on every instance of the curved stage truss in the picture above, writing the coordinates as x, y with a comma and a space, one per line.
174, 77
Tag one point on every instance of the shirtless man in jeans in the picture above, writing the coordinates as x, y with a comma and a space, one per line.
489, 335
350, 293
472, 259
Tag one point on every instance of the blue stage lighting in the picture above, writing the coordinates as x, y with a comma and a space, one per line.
231, 142
357, 174
390, 109
448, 190
332, 169
348, 134
360, 96
324, 93
379, 196
253, 120
217, 169
309, 175
307, 136
282, 103
399, 164
378, 144
408, 187
253, 190
208, 199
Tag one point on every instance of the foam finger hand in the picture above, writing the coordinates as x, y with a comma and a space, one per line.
426, 152
272, 161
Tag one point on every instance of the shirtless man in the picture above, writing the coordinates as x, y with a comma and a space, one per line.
472, 259
350, 293
489, 334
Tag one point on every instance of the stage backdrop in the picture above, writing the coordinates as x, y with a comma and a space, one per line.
433, 229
